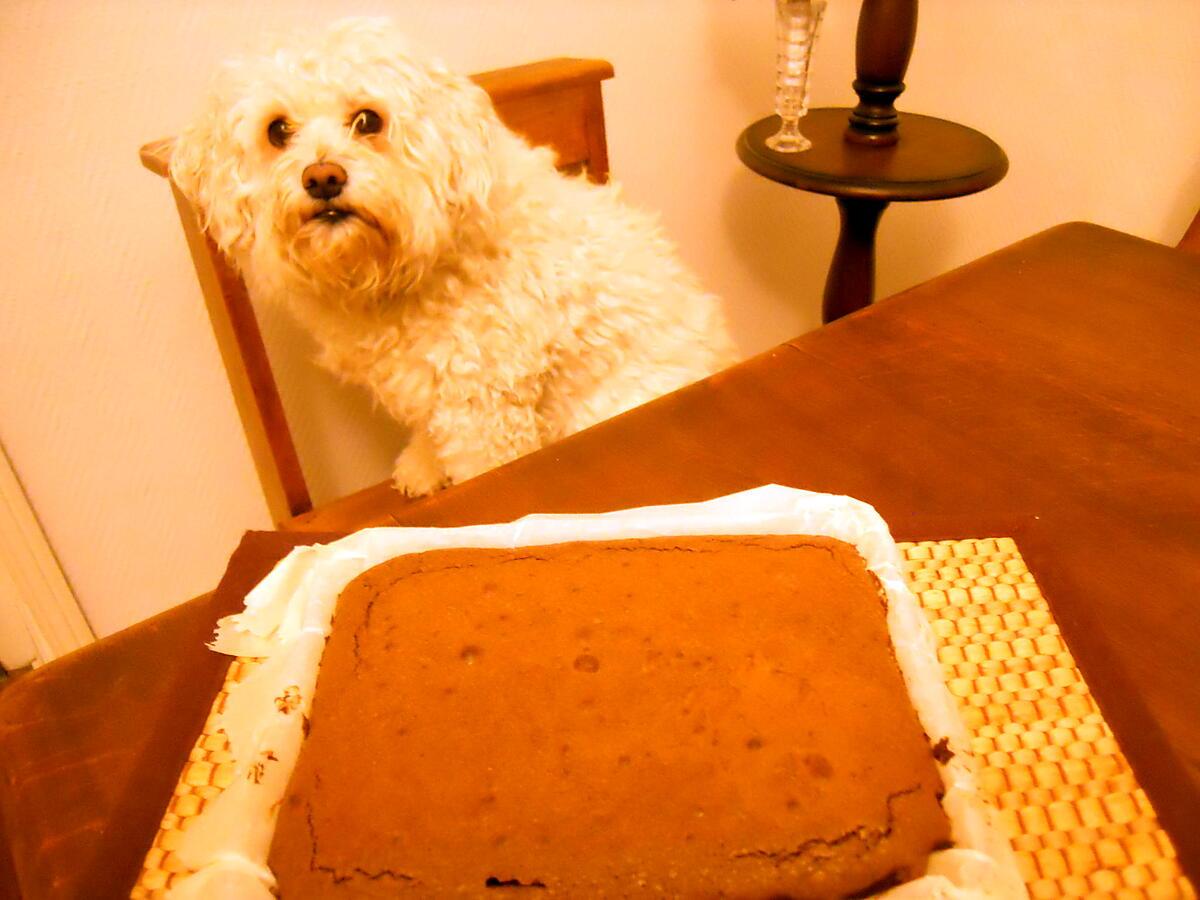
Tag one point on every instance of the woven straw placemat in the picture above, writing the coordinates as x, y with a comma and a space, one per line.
1067, 798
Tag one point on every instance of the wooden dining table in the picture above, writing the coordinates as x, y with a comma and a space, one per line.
1049, 392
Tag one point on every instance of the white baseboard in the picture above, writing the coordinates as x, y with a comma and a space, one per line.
39, 616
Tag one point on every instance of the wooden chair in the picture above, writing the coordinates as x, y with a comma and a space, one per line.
555, 103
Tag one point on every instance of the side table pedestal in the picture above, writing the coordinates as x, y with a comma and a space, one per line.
933, 160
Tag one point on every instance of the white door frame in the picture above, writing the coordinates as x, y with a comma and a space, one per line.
34, 594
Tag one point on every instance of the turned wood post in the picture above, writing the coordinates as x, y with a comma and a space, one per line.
886, 31
850, 284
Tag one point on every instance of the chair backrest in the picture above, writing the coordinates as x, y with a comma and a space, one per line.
555, 103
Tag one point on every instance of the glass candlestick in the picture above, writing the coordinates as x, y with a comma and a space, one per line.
796, 25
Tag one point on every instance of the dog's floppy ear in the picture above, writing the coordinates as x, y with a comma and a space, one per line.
206, 165
452, 146
472, 149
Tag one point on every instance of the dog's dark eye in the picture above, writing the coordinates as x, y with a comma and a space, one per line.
366, 121
279, 132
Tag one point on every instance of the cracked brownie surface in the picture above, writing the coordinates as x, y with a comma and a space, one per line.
710, 716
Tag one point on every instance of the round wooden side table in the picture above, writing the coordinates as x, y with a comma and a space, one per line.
869, 156
932, 160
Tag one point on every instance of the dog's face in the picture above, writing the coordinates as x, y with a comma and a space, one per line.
344, 166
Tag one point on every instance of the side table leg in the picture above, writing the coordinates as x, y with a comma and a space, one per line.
850, 284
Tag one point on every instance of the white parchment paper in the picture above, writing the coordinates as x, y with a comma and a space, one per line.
287, 618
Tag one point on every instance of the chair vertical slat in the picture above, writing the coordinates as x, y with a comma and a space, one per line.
248, 368
597, 140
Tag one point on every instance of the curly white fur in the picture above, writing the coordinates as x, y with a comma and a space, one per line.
490, 304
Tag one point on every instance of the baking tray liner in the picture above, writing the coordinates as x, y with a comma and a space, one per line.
1048, 762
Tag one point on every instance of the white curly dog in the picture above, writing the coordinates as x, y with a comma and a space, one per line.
489, 303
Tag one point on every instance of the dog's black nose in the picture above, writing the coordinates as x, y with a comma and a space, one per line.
324, 180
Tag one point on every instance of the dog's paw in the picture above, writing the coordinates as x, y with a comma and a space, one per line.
417, 472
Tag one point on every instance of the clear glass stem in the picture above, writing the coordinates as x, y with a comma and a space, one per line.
796, 25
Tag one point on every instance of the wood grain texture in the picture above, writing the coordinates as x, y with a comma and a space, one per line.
81, 741
547, 75
555, 103
1049, 392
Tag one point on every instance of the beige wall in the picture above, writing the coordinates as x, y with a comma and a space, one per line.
113, 405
